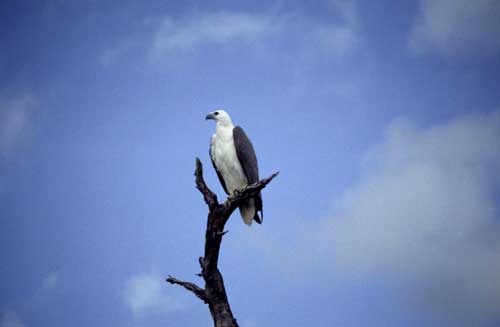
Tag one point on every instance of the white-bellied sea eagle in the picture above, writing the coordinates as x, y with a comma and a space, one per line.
234, 160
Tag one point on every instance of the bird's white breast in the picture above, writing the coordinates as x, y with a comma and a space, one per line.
226, 160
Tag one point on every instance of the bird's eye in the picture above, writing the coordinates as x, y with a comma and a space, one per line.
216, 113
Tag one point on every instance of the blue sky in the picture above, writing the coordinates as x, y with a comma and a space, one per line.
382, 117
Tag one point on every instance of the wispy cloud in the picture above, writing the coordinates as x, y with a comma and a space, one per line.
457, 28
15, 121
147, 294
38, 298
220, 28
226, 28
299, 33
11, 319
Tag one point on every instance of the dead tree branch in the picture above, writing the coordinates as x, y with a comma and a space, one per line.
214, 293
198, 291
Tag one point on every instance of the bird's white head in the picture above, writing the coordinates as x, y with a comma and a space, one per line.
221, 117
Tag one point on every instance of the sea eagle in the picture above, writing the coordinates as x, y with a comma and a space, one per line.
234, 160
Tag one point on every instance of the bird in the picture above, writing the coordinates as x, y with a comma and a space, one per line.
235, 162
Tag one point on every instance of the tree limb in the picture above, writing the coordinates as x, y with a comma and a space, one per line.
214, 293
209, 196
198, 291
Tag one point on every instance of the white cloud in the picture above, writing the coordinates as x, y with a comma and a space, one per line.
225, 28
148, 294
10, 319
427, 215
15, 121
36, 299
219, 28
457, 28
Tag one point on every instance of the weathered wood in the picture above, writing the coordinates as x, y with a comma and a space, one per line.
214, 293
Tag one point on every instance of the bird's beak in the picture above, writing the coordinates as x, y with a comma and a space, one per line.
210, 116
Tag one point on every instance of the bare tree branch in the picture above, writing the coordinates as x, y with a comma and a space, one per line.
209, 196
214, 293
198, 291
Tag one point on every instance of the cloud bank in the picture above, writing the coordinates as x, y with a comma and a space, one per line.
457, 28
427, 216
424, 217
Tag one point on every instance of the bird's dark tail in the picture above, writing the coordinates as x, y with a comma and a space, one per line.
258, 219
249, 210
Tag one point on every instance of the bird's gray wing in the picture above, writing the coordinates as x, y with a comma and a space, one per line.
248, 160
246, 155
221, 179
